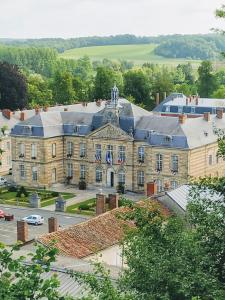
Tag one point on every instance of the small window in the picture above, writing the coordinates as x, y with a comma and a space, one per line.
69, 149
34, 173
98, 174
33, 151
159, 183
121, 154
210, 159
141, 154
159, 162
82, 172
21, 150
174, 163
54, 150
140, 178
70, 170
167, 108
22, 171
109, 154
173, 184
98, 152
82, 150
180, 109
121, 177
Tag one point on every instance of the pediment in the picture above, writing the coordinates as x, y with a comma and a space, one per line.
110, 131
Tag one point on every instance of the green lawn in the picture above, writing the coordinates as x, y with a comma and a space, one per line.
74, 209
138, 54
47, 197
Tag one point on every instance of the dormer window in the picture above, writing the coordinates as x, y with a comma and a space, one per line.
180, 109
167, 138
192, 110
76, 128
27, 129
167, 108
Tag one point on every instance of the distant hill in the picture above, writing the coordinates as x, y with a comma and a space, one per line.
170, 46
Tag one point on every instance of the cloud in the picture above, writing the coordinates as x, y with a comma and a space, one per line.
70, 18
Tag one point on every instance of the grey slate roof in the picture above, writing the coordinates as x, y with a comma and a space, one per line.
178, 100
181, 195
147, 127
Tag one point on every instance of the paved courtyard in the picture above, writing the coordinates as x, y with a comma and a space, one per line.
8, 230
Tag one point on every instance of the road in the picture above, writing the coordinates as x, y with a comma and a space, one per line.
8, 230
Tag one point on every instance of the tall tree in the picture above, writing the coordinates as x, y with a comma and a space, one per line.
13, 87
104, 82
62, 87
206, 79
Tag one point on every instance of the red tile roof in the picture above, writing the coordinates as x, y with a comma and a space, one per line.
92, 236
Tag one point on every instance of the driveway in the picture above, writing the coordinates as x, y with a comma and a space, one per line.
8, 230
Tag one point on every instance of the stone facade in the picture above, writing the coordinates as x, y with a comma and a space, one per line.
55, 168
5, 156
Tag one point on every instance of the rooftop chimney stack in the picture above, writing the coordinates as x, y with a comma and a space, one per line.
182, 118
52, 224
65, 109
22, 116
100, 204
207, 116
187, 101
22, 231
196, 100
7, 113
45, 108
113, 201
219, 113
37, 110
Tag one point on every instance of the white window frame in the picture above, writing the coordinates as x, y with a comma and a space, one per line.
82, 172
141, 154
175, 163
21, 147
173, 184
69, 148
141, 178
98, 152
121, 177
159, 183
83, 150
121, 154
34, 151
34, 172
98, 174
69, 169
159, 162
22, 171
53, 150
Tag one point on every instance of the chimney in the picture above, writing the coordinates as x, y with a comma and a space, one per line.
52, 224
182, 118
219, 113
22, 231
37, 110
196, 100
98, 102
186, 101
100, 204
22, 116
151, 189
45, 108
7, 113
113, 201
65, 109
207, 116
157, 100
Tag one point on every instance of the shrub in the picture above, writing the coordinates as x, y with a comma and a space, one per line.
125, 202
55, 194
84, 206
12, 188
22, 191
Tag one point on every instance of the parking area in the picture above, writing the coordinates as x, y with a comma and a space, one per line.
8, 229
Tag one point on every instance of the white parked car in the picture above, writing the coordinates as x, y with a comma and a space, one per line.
34, 219
3, 181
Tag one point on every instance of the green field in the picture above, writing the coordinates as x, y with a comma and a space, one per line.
138, 54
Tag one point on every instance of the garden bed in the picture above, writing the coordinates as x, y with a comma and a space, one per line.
10, 196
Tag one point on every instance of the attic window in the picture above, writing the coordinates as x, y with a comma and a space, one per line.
167, 108
76, 128
180, 109
167, 138
27, 130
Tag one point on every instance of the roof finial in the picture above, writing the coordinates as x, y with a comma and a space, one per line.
114, 95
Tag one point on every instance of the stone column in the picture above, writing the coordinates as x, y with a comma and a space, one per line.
52, 224
22, 231
113, 201
100, 204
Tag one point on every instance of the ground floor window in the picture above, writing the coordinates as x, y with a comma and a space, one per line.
173, 184
53, 175
140, 178
70, 170
34, 173
98, 174
82, 172
22, 171
121, 177
159, 183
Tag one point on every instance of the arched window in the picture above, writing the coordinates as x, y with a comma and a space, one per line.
121, 177
98, 174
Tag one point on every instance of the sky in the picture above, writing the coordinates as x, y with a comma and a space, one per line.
75, 18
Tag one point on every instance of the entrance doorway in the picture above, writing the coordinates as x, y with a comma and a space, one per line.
110, 178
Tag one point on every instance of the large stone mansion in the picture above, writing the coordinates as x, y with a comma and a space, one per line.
114, 142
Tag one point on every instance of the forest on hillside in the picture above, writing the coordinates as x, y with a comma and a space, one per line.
207, 46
